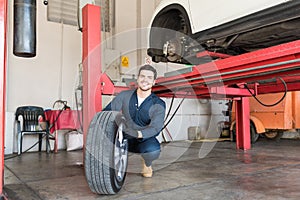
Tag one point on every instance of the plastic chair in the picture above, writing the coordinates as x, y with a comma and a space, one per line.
29, 124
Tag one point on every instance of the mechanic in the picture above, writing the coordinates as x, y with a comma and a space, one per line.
144, 113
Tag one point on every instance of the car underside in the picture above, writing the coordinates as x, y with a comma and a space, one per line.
171, 38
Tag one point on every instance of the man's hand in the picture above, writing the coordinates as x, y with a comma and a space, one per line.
131, 133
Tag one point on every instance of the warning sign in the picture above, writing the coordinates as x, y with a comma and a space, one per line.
148, 60
125, 61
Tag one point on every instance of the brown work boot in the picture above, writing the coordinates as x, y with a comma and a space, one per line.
147, 171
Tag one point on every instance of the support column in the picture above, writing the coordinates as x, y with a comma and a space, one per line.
243, 140
3, 21
91, 61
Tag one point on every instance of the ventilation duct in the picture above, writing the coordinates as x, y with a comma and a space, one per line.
69, 12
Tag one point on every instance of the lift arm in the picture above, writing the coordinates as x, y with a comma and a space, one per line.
279, 61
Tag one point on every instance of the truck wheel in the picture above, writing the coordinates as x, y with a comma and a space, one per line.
254, 135
274, 135
106, 153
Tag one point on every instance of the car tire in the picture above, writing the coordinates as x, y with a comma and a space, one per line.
106, 153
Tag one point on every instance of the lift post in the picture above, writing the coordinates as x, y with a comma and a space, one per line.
243, 140
223, 78
91, 64
3, 22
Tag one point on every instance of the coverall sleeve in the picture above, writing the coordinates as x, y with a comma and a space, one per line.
115, 104
157, 115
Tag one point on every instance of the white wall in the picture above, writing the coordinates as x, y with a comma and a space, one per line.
133, 16
49, 76
36, 81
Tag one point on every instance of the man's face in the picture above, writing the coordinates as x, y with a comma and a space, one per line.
145, 80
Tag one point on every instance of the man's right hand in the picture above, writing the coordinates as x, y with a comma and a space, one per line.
130, 133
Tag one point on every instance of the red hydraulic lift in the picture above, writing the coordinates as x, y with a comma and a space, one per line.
3, 21
273, 69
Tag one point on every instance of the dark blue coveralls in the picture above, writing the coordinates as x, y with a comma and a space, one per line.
147, 118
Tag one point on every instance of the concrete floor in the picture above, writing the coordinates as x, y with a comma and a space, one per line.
185, 170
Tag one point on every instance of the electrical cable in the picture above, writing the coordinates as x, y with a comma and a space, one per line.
65, 104
51, 125
10, 157
169, 111
173, 115
274, 104
78, 117
171, 105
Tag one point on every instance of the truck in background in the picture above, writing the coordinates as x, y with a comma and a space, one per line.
272, 121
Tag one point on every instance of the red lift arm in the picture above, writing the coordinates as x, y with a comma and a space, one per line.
224, 78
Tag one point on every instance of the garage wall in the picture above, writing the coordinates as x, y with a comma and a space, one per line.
129, 40
49, 76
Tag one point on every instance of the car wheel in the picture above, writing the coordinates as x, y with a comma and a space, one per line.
168, 37
106, 153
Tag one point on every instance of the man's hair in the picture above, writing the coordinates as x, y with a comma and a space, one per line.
150, 68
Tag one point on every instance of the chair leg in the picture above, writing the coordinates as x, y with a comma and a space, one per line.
48, 148
19, 143
56, 142
40, 142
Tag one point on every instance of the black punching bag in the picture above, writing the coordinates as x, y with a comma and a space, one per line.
24, 28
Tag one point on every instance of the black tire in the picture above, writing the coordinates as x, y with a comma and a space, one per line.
254, 135
106, 153
274, 135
